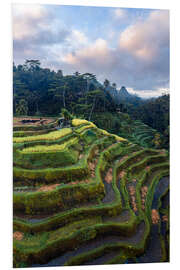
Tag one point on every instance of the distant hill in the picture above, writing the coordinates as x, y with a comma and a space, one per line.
122, 95
44, 92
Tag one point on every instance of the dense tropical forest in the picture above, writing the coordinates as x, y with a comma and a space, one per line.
90, 171
91, 159
44, 92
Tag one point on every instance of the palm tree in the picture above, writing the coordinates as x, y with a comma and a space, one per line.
106, 83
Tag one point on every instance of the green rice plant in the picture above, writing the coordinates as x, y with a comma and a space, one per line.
54, 135
89, 256
71, 223
20, 146
88, 136
115, 206
149, 160
44, 156
118, 138
64, 241
32, 133
57, 199
81, 129
78, 122
47, 200
50, 148
52, 175
44, 148
73, 238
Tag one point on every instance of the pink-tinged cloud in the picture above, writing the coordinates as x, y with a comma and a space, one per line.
145, 39
137, 57
34, 32
24, 20
140, 61
96, 54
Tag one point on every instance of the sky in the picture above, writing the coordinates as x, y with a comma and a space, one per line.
129, 47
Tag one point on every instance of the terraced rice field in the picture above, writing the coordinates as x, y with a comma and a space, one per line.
83, 196
140, 133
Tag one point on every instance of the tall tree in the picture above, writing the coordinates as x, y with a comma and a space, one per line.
106, 83
22, 107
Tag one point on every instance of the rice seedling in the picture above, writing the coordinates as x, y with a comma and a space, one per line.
49, 148
54, 135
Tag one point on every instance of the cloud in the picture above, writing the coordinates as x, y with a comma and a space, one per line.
25, 18
144, 39
39, 33
36, 31
138, 59
88, 55
30, 10
119, 13
80, 37
149, 93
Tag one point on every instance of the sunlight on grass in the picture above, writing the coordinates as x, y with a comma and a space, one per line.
49, 148
78, 122
104, 132
81, 129
50, 136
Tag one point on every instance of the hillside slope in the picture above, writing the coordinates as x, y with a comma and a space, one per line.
85, 196
133, 130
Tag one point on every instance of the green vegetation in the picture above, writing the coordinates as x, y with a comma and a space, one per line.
50, 136
49, 148
91, 179
41, 91
85, 190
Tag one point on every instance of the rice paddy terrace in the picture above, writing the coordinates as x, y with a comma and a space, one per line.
83, 196
139, 133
